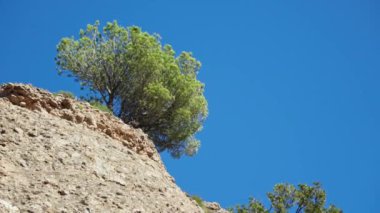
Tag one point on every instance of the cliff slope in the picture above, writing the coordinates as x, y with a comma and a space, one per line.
61, 155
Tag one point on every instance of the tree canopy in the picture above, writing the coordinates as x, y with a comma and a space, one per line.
287, 197
142, 81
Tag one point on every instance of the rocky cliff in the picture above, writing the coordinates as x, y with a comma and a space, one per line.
58, 154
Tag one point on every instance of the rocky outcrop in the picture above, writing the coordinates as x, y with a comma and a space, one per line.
213, 207
78, 112
60, 155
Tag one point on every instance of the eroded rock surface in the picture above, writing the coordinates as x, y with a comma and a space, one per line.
60, 155
40, 100
214, 207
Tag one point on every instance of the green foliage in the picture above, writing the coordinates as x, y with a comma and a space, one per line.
98, 105
65, 94
197, 199
282, 197
200, 203
254, 206
141, 81
286, 197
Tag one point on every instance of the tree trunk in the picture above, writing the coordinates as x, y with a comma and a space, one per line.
109, 103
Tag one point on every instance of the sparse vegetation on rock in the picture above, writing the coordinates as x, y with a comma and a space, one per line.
66, 94
208, 207
100, 106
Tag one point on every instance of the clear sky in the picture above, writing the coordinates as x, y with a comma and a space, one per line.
293, 86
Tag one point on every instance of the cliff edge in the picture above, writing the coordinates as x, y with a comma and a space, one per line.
58, 154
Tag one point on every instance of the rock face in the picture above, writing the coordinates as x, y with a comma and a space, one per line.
60, 155
213, 207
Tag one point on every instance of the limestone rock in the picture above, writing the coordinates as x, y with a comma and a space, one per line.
40, 100
214, 207
52, 160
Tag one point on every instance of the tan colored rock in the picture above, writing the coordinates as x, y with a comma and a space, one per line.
22, 104
53, 103
18, 130
49, 164
214, 207
14, 99
109, 132
68, 116
89, 119
67, 104
79, 118
78, 112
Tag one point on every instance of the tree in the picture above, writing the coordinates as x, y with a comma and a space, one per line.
285, 197
142, 81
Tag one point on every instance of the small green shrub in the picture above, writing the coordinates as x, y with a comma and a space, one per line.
97, 105
65, 94
80, 106
200, 203
197, 199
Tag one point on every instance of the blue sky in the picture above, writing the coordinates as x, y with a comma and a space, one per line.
293, 86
